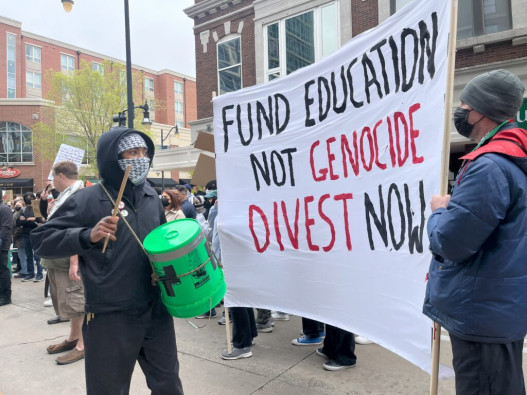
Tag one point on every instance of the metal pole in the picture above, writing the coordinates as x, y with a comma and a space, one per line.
162, 171
129, 91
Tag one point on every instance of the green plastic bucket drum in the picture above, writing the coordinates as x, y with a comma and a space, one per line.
190, 278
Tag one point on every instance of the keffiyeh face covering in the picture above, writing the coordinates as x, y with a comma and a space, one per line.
139, 169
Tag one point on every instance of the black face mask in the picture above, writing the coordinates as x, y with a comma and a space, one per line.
460, 120
18, 208
165, 202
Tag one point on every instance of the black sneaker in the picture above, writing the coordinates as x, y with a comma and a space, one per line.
334, 365
321, 353
38, 279
20, 275
28, 277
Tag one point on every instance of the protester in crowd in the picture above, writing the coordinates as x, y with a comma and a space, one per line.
6, 223
172, 206
338, 348
186, 206
264, 321
312, 333
125, 317
243, 322
477, 285
211, 220
190, 195
279, 316
67, 290
28, 221
198, 204
211, 186
19, 257
208, 204
196, 191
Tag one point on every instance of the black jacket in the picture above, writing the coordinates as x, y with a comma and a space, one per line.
28, 226
6, 223
119, 279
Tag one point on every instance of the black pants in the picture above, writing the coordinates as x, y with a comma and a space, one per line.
244, 326
5, 277
312, 328
488, 368
339, 345
115, 341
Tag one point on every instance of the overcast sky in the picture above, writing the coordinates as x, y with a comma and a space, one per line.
161, 34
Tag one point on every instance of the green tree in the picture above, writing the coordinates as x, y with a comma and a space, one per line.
85, 103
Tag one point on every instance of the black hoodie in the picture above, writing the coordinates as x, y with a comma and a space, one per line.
119, 279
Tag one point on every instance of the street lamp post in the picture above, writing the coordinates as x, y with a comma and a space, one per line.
120, 118
67, 4
176, 132
129, 92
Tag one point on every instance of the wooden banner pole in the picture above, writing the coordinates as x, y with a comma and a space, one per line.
117, 201
436, 334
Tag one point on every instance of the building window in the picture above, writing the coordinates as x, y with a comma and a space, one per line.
33, 54
301, 40
229, 65
180, 124
178, 107
33, 80
149, 84
475, 17
97, 67
11, 66
178, 88
479, 17
16, 143
67, 62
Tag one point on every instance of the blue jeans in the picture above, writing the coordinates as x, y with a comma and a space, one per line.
28, 247
22, 258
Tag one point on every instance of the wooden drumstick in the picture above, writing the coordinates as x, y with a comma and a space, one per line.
116, 207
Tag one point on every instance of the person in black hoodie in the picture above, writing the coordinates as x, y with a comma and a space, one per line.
125, 318
6, 222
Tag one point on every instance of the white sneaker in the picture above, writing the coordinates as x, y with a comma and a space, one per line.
362, 340
279, 316
48, 302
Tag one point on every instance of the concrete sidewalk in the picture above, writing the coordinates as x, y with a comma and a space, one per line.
276, 367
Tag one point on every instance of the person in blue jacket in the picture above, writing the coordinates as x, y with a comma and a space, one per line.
477, 285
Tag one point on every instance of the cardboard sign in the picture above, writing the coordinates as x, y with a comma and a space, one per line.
205, 170
8, 195
36, 208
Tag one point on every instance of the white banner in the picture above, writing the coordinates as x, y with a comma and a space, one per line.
324, 181
68, 152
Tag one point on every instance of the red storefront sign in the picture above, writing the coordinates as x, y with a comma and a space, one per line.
9, 173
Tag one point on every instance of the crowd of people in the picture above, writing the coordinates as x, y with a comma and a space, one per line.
476, 287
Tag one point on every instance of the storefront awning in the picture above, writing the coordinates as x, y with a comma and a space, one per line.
16, 183
158, 182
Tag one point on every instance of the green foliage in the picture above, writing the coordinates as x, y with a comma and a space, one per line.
86, 102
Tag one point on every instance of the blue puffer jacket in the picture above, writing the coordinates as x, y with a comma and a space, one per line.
477, 286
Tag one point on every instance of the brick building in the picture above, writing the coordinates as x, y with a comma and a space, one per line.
26, 57
240, 43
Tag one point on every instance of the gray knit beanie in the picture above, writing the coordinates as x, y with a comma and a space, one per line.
498, 95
